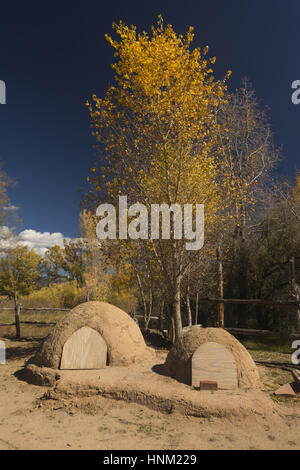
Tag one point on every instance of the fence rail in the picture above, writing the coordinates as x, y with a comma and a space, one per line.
18, 322
262, 333
235, 331
38, 308
30, 323
283, 303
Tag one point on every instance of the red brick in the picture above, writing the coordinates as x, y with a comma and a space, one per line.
207, 385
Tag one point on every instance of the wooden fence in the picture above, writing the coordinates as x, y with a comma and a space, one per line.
283, 303
234, 331
18, 322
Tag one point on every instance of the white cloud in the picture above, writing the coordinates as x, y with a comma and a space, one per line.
40, 242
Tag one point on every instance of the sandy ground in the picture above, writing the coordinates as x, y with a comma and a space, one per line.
26, 422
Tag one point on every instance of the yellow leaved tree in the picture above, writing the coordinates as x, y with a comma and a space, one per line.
158, 139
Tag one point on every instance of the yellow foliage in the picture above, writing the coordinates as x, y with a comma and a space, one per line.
158, 127
64, 295
158, 121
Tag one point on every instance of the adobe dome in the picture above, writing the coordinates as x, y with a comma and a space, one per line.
179, 360
123, 338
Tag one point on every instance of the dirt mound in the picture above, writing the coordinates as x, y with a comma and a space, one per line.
125, 343
39, 375
178, 362
140, 384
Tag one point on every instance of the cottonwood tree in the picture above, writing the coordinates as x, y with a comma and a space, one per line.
290, 198
248, 155
158, 131
73, 263
19, 275
96, 278
52, 265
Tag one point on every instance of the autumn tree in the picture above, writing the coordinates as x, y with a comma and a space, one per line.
96, 278
19, 275
157, 125
248, 156
73, 264
290, 195
52, 265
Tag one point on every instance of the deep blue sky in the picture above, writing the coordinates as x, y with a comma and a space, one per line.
53, 56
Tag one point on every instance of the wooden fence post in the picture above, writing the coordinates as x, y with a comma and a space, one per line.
197, 309
17, 318
220, 306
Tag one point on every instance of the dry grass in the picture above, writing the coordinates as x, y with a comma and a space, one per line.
29, 331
